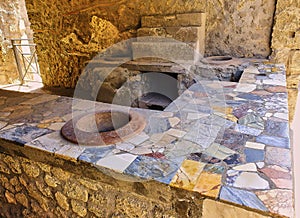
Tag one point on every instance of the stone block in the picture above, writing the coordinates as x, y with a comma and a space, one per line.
22, 199
51, 181
183, 34
62, 200
187, 19
10, 198
13, 164
30, 169
77, 192
212, 209
170, 51
79, 208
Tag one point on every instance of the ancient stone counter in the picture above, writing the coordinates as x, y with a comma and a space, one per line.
221, 148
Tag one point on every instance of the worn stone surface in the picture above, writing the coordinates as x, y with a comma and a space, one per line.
88, 198
286, 45
212, 209
85, 28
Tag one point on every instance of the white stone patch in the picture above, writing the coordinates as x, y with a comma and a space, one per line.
117, 162
196, 116
251, 181
283, 116
139, 139
251, 167
242, 87
255, 145
260, 165
174, 121
141, 151
251, 69
176, 132
125, 146
277, 77
274, 82
70, 151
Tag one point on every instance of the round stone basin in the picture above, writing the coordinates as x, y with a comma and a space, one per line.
103, 127
218, 60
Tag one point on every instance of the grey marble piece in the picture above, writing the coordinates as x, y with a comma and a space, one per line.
23, 134
274, 128
151, 168
92, 155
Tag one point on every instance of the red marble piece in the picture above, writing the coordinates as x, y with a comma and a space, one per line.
281, 177
200, 95
261, 93
155, 155
276, 89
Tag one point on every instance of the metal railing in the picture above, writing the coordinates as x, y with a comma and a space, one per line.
26, 59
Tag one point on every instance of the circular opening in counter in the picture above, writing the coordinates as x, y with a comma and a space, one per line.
103, 127
218, 60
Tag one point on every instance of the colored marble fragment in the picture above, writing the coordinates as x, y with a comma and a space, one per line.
182, 148
248, 130
214, 168
234, 140
208, 184
139, 139
242, 87
187, 175
51, 142
254, 155
278, 201
118, 162
162, 170
241, 197
219, 151
274, 141
251, 181
280, 129
282, 178
249, 96
252, 120
255, 145
250, 167
23, 134
176, 133
70, 152
233, 159
278, 156
203, 158
92, 155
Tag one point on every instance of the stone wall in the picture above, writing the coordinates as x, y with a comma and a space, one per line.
34, 189
69, 33
286, 44
13, 24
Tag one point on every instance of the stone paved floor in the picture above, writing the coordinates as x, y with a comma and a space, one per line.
229, 141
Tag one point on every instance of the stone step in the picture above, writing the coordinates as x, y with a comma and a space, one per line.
171, 51
183, 34
183, 20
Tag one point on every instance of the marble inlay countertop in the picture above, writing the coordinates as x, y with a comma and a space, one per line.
226, 140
